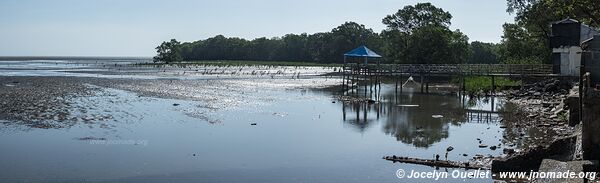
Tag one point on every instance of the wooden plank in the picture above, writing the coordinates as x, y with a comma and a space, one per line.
438, 163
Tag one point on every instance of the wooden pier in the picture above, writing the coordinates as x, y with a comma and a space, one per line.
371, 74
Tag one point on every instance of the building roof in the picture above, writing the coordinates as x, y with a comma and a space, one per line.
566, 20
362, 51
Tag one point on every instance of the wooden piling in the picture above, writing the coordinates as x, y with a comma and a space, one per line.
464, 85
365, 73
427, 83
401, 84
493, 85
396, 78
422, 76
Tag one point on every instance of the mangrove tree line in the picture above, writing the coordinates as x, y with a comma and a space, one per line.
414, 34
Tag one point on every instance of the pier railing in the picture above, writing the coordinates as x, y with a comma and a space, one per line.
455, 69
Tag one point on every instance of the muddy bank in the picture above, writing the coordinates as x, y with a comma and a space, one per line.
539, 127
48, 102
39, 102
541, 115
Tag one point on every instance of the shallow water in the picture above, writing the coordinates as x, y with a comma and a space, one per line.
301, 135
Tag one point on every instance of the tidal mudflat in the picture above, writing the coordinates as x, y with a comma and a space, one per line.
111, 121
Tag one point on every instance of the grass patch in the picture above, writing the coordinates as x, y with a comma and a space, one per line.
483, 84
246, 63
563, 116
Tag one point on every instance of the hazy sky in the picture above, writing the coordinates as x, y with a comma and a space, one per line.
135, 27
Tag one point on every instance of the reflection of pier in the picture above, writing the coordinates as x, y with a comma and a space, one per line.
482, 116
412, 117
359, 114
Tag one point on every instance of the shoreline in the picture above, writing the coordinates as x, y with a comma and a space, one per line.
55, 92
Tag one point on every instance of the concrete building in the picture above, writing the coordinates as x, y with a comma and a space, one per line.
565, 40
591, 58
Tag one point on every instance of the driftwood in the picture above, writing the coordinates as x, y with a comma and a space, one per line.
438, 163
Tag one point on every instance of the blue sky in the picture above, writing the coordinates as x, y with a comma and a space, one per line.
135, 27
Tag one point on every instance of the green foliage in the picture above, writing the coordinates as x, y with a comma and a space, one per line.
538, 13
483, 53
421, 34
168, 52
414, 17
519, 44
325, 47
529, 36
483, 84
564, 115
414, 34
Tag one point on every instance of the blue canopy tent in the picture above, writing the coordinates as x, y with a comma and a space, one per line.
362, 51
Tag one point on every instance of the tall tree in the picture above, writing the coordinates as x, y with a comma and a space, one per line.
168, 52
483, 53
414, 17
349, 36
421, 34
520, 46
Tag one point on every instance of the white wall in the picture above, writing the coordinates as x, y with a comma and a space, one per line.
570, 60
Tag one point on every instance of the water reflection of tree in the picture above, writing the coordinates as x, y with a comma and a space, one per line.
360, 115
410, 125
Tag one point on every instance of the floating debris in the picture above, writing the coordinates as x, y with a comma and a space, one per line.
280, 114
438, 163
253, 124
437, 116
90, 138
407, 105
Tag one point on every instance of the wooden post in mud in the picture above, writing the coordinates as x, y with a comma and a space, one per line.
365, 73
422, 77
370, 73
348, 82
378, 77
379, 82
464, 85
427, 82
345, 82
344, 78
351, 79
365, 112
396, 78
493, 85
401, 84
492, 106
522, 83
344, 111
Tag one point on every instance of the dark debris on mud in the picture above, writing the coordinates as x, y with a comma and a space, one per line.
539, 116
39, 102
